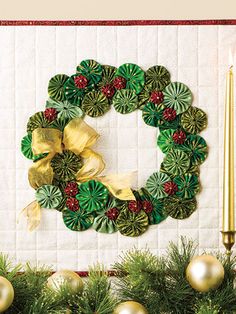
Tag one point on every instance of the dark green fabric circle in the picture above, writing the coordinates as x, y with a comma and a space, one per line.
157, 77
48, 196
79, 220
72, 93
91, 69
65, 110
179, 208
37, 121
125, 101
27, 150
188, 185
92, 196
194, 120
177, 96
95, 104
56, 87
144, 96
154, 184
133, 75
165, 140
152, 114
175, 124
60, 123
108, 75
103, 224
66, 165
176, 162
132, 224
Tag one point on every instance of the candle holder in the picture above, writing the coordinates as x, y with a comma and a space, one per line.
228, 238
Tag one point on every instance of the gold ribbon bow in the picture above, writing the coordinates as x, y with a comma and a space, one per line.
77, 137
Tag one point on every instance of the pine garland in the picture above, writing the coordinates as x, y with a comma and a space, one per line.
159, 283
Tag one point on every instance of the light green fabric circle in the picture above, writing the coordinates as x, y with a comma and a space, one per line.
48, 196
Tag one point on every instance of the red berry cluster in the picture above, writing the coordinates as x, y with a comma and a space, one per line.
169, 114
80, 81
108, 90
72, 204
136, 206
179, 137
50, 114
112, 213
119, 82
170, 188
156, 97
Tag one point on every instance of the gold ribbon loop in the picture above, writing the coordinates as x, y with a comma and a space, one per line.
33, 214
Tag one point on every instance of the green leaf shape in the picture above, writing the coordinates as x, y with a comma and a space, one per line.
154, 184
179, 208
144, 96
157, 215
132, 224
26, 149
108, 75
176, 162
175, 124
125, 101
66, 165
37, 121
103, 224
177, 96
72, 93
56, 87
196, 148
79, 220
66, 110
152, 114
134, 75
188, 185
95, 104
91, 69
157, 77
194, 120
48, 196
165, 140
92, 196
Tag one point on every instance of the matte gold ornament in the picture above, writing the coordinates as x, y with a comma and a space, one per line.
205, 273
67, 278
6, 294
130, 307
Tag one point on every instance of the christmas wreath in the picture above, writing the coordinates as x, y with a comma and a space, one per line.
66, 171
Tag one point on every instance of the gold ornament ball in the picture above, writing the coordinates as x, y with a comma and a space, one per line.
6, 294
130, 307
205, 273
65, 277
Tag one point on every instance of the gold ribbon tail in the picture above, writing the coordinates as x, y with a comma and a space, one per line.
33, 215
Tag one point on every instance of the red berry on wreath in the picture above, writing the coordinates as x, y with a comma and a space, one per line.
72, 204
135, 206
170, 188
81, 81
119, 82
169, 114
71, 189
112, 213
179, 137
108, 90
50, 114
156, 97
147, 206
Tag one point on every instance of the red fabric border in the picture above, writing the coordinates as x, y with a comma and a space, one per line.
114, 22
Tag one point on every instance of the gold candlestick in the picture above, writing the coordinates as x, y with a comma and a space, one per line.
228, 228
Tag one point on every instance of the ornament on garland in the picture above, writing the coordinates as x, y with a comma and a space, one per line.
66, 278
6, 294
205, 273
66, 170
130, 307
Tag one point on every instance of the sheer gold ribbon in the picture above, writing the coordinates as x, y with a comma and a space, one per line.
77, 137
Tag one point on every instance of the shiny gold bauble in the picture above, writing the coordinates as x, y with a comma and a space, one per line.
130, 307
205, 273
66, 278
6, 294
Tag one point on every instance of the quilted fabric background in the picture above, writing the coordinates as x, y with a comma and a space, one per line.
30, 56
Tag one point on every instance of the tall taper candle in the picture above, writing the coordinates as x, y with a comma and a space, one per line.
228, 228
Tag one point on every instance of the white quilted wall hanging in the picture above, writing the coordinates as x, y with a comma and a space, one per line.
195, 55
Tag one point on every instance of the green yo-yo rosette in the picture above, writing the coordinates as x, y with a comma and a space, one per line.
134, 76
155, 182
194, 120
157, 77
176, 162
108, 75
72, 93
152, 114
92, 196
165, 140
179, 208
26, 148
79, 220
66, 111
188, 185
132, 224
144, 96
37, 121
177, 96
91, 69
174, 124
56, 87
66, 165
103, 224
95, 104
48, 196
125, 101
